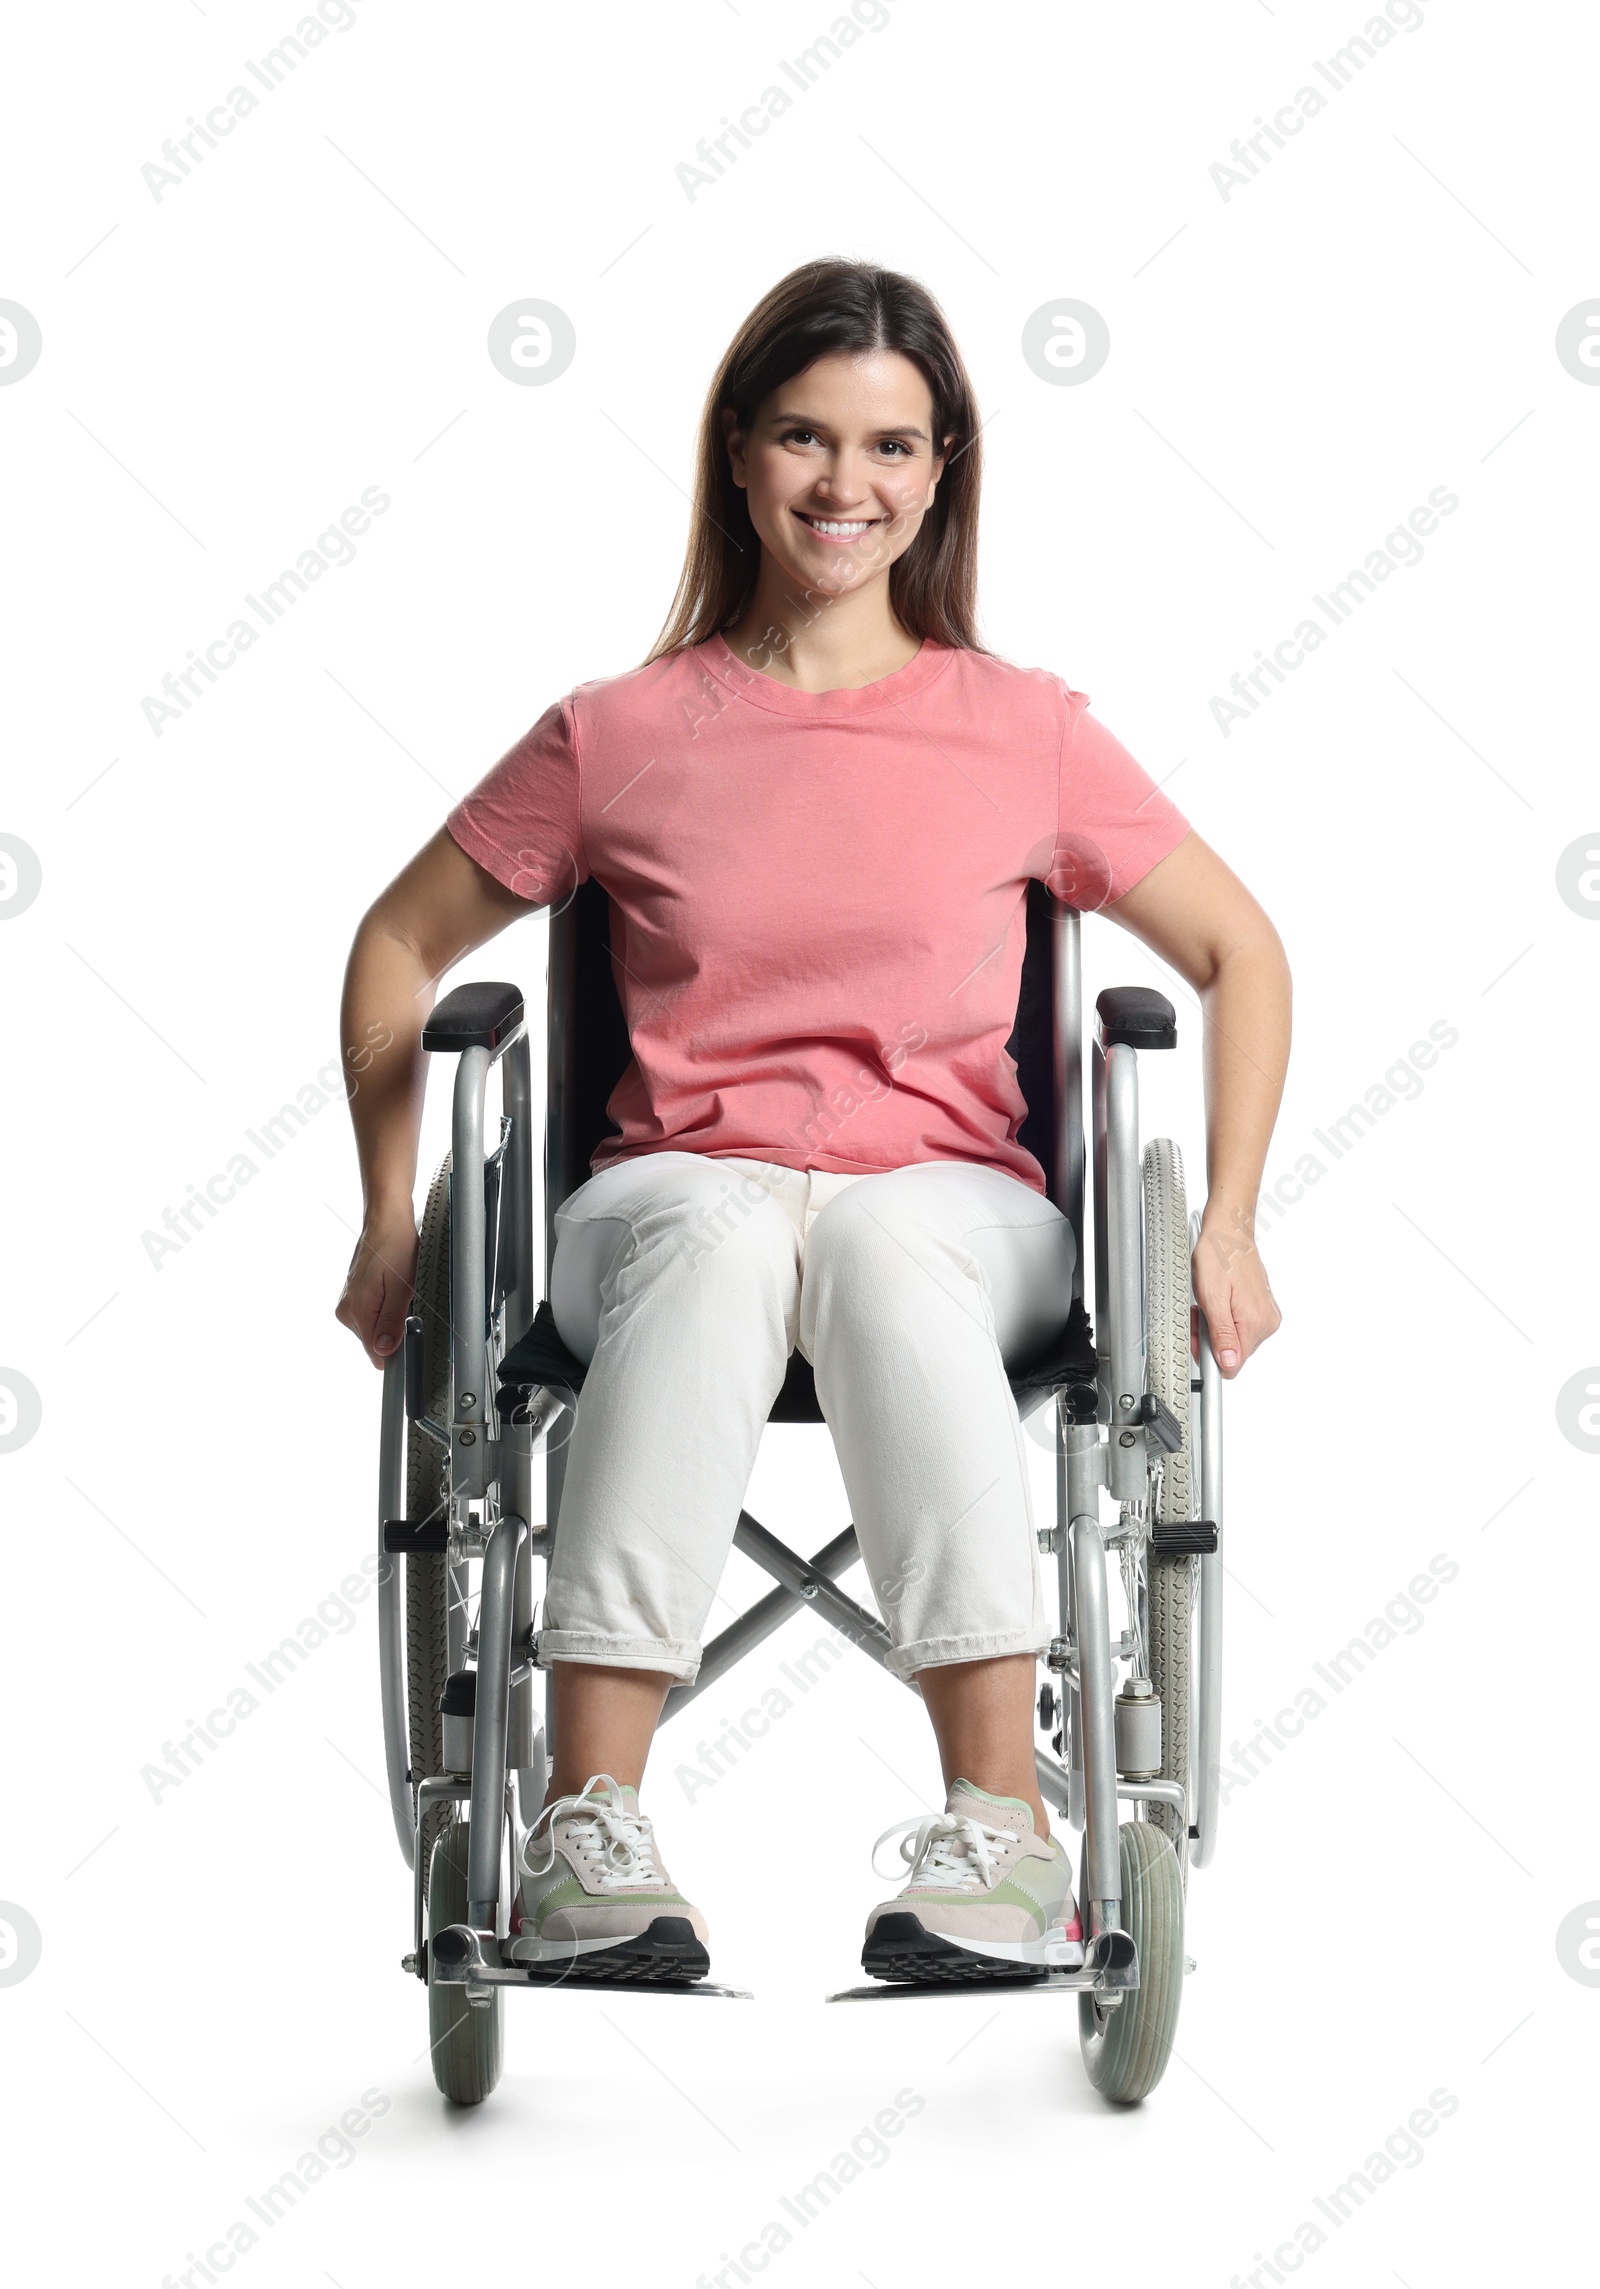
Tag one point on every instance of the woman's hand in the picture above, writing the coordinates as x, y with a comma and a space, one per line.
1193, 911
378, 1285
1230, 1287
440, 907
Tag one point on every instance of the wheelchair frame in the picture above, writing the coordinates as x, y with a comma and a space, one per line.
501, 1774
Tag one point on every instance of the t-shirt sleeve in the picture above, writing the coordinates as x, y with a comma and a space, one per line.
524, 818
1113, 821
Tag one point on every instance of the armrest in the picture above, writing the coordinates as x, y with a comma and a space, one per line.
1138, 1015
486, 1014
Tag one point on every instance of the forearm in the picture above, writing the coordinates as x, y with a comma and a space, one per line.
388, 994
1246, 1055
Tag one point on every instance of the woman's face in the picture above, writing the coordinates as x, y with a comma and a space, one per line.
840, 467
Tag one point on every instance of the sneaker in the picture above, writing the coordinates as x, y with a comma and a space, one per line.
596, 1901
987, 1899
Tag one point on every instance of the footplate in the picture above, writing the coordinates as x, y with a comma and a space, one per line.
462, 1957
1110, 1970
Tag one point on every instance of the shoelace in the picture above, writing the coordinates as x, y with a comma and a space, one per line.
603, 1832
950, 1850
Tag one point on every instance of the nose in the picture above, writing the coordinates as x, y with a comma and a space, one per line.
840, 482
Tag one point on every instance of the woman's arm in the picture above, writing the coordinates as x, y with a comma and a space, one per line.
1197, 915
439, 908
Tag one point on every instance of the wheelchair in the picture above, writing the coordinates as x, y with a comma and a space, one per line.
482, 1387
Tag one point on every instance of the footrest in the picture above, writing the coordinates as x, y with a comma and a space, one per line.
1085, 1982
1110, 1970
1042, 1983
462, 1957
532, 1975
1187, 1537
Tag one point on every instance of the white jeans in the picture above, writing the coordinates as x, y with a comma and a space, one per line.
685, 1280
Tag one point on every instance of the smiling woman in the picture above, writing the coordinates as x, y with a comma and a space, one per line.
818, 882
818, 467
814, 496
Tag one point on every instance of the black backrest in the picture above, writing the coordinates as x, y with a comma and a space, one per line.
1032, 1042
589, 1041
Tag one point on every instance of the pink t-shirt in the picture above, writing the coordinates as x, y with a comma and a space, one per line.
819, 898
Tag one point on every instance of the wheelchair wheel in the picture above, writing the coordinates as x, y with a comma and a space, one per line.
1169, 1580
464, 2037
1125, 2049
427, 1496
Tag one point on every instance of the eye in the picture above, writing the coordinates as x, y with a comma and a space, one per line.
900, 443
790, 434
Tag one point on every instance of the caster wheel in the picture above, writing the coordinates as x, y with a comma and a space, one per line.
1126, 2048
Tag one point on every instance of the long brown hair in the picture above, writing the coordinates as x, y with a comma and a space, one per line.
821, 309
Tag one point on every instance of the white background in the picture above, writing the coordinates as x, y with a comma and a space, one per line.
1293, 369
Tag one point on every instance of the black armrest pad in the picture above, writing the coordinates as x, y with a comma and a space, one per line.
476, 1016
1137, 1015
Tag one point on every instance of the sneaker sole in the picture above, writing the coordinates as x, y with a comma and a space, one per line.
902, 1947
666, 1949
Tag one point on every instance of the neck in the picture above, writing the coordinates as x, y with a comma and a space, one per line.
818, 641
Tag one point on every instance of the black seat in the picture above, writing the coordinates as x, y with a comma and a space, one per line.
589, 1051
542, 1361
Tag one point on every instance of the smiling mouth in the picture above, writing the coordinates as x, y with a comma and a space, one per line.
838, 528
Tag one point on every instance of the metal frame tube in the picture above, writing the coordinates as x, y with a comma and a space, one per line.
559, 1179
1208, 1730
456, 1598
1054, 1786
520, 1726
1080, 1467
1071, 1730
555, 1471
391, 1626
1064, 1789
1095, 1696
516, 1083
1068, 1044
496, 1622
1117, 1126
805, 1580
516, 1496
469, 1358
769, 1613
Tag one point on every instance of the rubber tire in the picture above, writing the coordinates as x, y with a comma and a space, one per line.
1170, 1581
427, 1496
1125, 2050
464, 2038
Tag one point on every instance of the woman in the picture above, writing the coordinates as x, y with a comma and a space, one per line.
816, 809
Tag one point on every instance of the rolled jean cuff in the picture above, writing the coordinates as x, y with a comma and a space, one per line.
935, 1652
678, 1658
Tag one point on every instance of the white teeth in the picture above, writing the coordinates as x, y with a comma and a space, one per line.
822, 525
